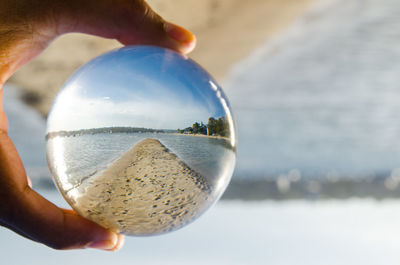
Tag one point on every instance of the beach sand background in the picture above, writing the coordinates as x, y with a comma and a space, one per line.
227, 31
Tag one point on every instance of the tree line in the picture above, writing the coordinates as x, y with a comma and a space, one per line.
103, 130
216, 127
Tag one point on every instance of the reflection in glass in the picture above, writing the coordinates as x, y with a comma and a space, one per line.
141, 140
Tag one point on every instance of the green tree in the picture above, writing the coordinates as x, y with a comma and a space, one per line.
211, 126
203, 128
220, 128
196, 127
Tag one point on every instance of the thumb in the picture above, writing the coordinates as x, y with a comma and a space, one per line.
128, 21
29, 214
38, 219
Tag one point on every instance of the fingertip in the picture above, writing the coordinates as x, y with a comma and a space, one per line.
108, 242
29, 181
186, 40
120, 243
114, 243
178, 33
189, 47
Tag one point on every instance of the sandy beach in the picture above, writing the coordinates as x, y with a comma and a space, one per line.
149, 190
227, 139
226, 30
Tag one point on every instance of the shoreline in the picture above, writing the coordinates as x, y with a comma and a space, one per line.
215, 23
205, 136
226, 141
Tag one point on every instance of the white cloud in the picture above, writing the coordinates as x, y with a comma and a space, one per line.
74, 112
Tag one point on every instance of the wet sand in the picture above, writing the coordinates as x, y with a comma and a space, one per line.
149, 190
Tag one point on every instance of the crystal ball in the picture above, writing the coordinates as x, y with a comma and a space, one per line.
141, 140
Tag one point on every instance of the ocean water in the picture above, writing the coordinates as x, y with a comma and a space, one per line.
322, 98
84, 156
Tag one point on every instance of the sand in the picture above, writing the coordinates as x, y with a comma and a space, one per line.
149, 190
227, 31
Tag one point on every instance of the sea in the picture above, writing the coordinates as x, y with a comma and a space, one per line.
318, 102
88, 155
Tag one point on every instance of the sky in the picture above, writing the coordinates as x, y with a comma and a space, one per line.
150, 88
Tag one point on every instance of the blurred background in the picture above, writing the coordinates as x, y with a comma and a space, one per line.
314, 89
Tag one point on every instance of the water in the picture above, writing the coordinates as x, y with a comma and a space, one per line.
88, 155
130, 183
322, 98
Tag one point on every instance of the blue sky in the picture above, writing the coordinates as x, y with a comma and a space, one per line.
149, 88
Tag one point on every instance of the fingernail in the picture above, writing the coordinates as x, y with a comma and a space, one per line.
121, 241
106, 244
178, 33
29, 180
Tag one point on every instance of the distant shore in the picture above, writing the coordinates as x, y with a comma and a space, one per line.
109, 130
203, 135
103, 130
149, 190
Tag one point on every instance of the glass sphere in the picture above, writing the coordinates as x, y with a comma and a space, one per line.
141, 140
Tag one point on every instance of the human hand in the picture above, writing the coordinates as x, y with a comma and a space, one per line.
27, 27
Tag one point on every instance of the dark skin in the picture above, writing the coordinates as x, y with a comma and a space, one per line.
27, 27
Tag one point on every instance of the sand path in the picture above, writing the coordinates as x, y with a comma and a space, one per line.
149, 190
